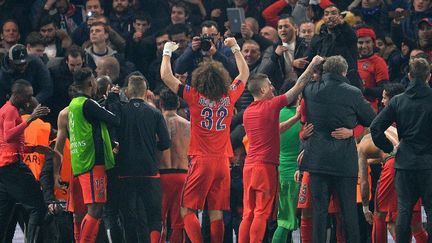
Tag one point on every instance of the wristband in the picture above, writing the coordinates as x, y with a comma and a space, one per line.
167, 52
235, 48
393, 152
365, 209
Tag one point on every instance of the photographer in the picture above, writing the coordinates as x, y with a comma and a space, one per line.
208, 45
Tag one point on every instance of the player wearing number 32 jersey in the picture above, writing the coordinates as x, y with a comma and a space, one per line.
211, 98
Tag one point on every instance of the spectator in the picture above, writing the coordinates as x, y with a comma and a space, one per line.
250, 31
179, 33
108, 66
18, 65
99, 48
371, 67
81, 34
284, 61
194, 54
9, 36
154, 78
337, 38
18, 11
251, 9
252, 55
270, 33
425, 36
35, 45
62, 76
374, 13
66, 15
393, 56
281, 7
139, 46
405, 23
121, 18
306, 31
56, 40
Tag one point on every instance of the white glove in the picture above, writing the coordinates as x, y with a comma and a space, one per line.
169, 48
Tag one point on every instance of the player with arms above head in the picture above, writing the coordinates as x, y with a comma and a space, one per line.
211, 98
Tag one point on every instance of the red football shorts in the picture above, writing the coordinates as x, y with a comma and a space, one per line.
172, 182
75, 202
305, 196
94, 185
386, 196
260, 184
208, 180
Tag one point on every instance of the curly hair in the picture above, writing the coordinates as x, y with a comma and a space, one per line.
211, 79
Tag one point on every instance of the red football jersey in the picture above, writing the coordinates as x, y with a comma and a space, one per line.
372, 70
211, 120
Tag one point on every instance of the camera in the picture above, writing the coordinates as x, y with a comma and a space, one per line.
90, 14
206, 42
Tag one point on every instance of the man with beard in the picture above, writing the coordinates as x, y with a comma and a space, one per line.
18, 65
371, 67
337, 38
62, 75
425, 36
17, 183
56, 41
121, 18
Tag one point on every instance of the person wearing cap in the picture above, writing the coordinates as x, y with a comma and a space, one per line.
371, 67
425, 36
19, 65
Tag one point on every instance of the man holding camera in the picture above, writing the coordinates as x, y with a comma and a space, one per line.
208, 45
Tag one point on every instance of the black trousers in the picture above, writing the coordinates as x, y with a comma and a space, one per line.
112, 208
345, 189
410, 186
140, 207
18, 185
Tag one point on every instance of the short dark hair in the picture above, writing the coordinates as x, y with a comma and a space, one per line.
75, 51
289, 17
98, 23
209, 24
255, 83
137, 86
34, 39
20, 85
176, 29
102, 84
419, 69
46, 20
81, 77
143, 17
169, 100
393, 89
160, 33
181, 4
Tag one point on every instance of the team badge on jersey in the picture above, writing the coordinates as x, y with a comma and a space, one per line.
365, 66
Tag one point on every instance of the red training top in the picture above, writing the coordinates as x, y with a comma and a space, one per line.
372, 70
261, 123
11, 135
211, 120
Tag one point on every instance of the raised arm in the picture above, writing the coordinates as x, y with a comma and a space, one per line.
166, 71
240, 61
303, 80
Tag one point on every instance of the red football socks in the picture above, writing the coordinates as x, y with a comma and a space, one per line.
193, 228
306, 230
89, 229
217, 231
